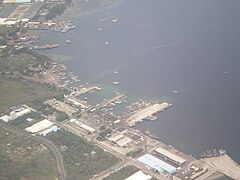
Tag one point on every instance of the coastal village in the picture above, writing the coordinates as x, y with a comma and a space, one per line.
97, 123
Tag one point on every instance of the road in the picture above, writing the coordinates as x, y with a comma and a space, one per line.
44, 141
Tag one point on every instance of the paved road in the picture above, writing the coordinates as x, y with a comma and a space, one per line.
44, 141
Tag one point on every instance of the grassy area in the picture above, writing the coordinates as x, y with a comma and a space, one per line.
22, 123
23, 158
16, 91
122, 173
82, 159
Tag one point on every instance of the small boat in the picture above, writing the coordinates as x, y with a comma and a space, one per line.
68, 41
106, 43
99, 29
115, 82
115, 20
115, 72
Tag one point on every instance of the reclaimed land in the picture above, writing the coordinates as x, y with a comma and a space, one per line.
82, 160
23, 158
122, 173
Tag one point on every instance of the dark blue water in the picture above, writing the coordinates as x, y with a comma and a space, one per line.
163, 45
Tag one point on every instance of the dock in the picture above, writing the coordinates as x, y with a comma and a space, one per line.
116, 97
146, 112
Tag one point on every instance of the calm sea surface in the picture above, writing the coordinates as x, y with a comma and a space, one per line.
158, 46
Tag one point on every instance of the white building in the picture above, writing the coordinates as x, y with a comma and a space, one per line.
139, 176
42, 125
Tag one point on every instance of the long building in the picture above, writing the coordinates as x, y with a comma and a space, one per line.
42, 125
170, 156
139, 176
156, 164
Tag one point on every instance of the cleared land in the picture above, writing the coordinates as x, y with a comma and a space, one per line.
23, 158
82, 160
122, 173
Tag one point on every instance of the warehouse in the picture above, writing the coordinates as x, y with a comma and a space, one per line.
115, 137
51, 129
170, 156
42, 125
139, 176
156, 164
124, 141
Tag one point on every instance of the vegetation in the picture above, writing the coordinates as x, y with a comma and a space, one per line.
135, 152
22, 123
16, 91
103, 134
82, 160
122, 173
23, 158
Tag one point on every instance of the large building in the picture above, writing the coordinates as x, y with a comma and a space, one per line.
156, 164
170, 156
16, 1
40, 126
139, 176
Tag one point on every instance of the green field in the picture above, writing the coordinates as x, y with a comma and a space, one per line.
78, 161
23, 158
17, 91
122, 173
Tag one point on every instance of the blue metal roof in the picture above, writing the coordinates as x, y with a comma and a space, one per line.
156, 164
51, 129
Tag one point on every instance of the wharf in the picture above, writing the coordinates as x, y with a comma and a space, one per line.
115, 98
86, 90
141, 114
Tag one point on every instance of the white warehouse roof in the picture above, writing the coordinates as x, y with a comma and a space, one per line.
139, 176
170, 155
156, 164
124, 141
42, 125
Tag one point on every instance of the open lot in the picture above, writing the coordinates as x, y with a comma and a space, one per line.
23, 158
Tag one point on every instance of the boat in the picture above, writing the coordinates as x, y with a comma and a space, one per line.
68, 41
115, 72
99, 29
106, 43
115, 20
115, 82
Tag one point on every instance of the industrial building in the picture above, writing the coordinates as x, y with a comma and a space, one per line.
156, 164
124, 141
42, 125
15, 114
139, 176
16, 1
170, 156
51, 129
119, 139
83, 126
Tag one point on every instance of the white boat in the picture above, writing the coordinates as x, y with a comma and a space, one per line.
106, 43
99, 29
115, 82
68, 41
115, 72
115, 20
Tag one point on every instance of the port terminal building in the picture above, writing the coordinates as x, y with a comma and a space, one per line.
155, 164
167, 155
